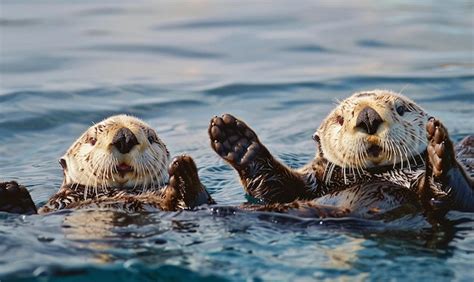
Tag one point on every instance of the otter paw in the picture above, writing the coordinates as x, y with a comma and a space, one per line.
233, 140
14, 198
440, 149
183, 173
184, 179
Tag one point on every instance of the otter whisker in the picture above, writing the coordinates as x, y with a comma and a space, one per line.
333, 165
412, 156
103, 174
162, 164
410, 134
150, 160
138, 174
401, 156
331, 169
98, 172
401, 143
344, 173
161, 161
155, 175
354, 177
147, 167
393, 154
360, 158
99, 175
423, 142
326, 170
151, 173
86, 188
108, 173
408, 150
146, 172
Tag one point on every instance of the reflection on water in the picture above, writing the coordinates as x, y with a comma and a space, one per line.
280, 67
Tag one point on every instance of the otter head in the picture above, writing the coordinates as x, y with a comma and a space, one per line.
373, 129
119, 152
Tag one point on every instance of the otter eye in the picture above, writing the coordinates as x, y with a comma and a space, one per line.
401, 110
340, 120
152, 138
91, 140
401, 107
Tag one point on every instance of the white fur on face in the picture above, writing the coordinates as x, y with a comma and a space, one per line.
400, 137
92, 160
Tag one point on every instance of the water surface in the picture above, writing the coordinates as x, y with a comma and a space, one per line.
278, 65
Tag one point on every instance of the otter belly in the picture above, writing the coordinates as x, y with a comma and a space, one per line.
373, 200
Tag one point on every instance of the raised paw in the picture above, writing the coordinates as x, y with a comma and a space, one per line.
14, 198
234, 141
184, 180
440, 148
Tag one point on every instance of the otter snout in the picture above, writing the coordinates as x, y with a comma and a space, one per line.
124, 140
368, 120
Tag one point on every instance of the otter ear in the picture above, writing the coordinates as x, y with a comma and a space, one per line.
62, 162
315, 137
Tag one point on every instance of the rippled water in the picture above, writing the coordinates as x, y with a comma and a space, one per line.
279, 66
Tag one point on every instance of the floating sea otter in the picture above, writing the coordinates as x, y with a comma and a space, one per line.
378, 152
373, 160
118, 163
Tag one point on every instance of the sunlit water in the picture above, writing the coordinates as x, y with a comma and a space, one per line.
280, 67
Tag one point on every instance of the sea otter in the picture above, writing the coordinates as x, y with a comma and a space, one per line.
378, 152
119, 163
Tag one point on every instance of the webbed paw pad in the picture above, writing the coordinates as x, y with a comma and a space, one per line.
184, 179
440, 153
233, 140
183, 173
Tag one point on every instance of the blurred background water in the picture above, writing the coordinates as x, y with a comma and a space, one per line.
279, 65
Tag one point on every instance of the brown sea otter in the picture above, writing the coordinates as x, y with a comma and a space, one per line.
378, 152
119, 163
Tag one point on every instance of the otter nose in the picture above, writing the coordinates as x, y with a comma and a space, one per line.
368, 120
124, 140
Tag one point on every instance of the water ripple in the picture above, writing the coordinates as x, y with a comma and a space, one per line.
173, 51
226, 23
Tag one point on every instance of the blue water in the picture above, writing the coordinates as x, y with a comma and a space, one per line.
278, 65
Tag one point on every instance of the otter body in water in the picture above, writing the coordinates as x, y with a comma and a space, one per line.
378, 152
118, 163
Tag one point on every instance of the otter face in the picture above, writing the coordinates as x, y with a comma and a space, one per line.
119, 152
371, 129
